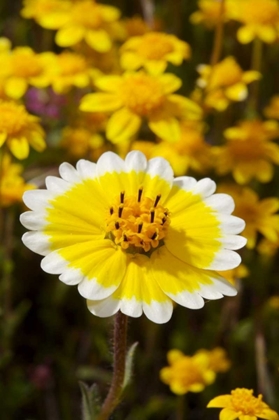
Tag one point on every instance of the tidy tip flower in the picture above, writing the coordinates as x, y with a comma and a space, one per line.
133, 237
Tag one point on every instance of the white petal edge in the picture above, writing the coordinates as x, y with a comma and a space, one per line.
233, 242
136, 161
71, 277
69, 173
158, 312
222, 203
37, 242
53, 263
205, 187
225, 260
91, 289
33, 220
37, 200
186, 183
187, 299
110, 162
160, 167
103, 308
131, 307
231, 225
218, 289
57, 185
86, 169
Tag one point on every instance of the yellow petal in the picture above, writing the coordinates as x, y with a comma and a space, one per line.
220, 401
108, 83
237, 92
3, 137
70, 35
15, 87
167, 128
267, 34
19, 147
170, 82
98, 40
130, 61
245, 34
227, 414
122, 125
100, 102
156, 67
251, 76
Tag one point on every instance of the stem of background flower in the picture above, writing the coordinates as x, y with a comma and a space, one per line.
218, 36
255, 65
180, 408
148, 12
119, 359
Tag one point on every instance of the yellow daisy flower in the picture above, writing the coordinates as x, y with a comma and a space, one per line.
12, 185
69, 69
248, 152
23, 67
209, 13
272, 109
18, 129
83, 20
225, 82
133, 97
218, 360
132, 237
241, 404
50, 14
260, 19
136, 26
153, 51
268, 248
190, 152
259, 215
186, 373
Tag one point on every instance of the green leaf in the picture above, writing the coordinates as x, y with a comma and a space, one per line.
90, 401
129, 365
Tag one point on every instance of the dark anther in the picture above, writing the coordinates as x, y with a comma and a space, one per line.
152, 214
111, 210
125, 238
163, 220
140, 194
117, 226
140, 227
157, 200
122, 197
120, 210
154, 236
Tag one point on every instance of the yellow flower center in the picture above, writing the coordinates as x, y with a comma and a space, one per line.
155, 46
70, 64
13, 118
186, 372
25, 65
259, 12
141, 93
243, 402
137, 223
87, 14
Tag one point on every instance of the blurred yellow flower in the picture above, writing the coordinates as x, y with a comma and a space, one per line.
187, 373
267, 247
272, 109
249, 152
69, 69
241, 404
18, 129
259, 215
260, 19
133, 97
136, 26
12, 185
225, 82
153, 51
209, 13
22, 67
190, 152
48, 13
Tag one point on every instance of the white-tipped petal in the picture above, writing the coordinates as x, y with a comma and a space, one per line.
86, 169
71, 277
53, 263
131, 307
104, 308
91, 289
222, 203
158, 312
186, 183
160, 167
69, 173
36, 241
187, 299
110, 162
136, 161
225, 260
218, 289
231, 225
57, 185
37, 200
32, 220
234, 242
205, 187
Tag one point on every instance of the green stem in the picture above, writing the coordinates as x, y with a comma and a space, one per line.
119, 358
218, 36
256, 66
180, 408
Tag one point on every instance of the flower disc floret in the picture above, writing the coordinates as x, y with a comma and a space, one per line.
132, 237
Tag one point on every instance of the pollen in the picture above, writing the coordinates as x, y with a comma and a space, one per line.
137, 223
245, 403
13, 118
155, 46
141, 93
